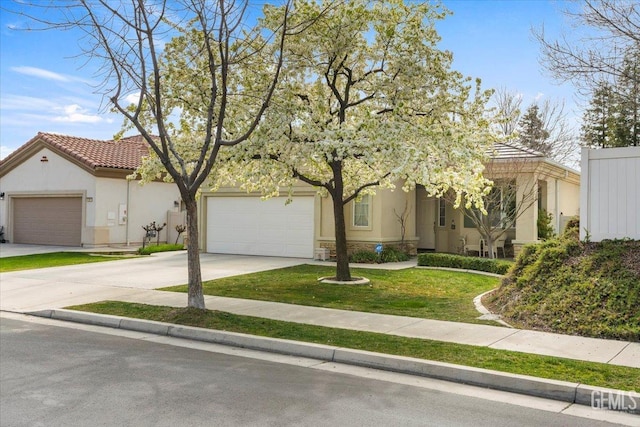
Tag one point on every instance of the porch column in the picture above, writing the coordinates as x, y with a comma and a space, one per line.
526, 223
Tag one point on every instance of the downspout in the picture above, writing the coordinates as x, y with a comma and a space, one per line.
558, 212
128, 214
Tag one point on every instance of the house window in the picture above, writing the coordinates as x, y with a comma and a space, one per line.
500, 204
362, 211
442, 212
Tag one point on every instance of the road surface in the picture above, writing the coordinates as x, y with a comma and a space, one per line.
54, 374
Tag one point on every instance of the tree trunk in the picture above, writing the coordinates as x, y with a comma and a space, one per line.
343, 273
195, 295
490, 245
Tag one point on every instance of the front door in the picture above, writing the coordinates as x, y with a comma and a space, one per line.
425, 220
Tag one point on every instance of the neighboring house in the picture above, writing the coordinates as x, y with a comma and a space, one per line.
237, 222
610, 194
64, 190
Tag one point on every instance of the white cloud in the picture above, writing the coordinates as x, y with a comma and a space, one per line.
41, 73
133, 98
75, 114
539, 96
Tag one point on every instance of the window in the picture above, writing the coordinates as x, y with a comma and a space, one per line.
362, 211
500, 204
442, 212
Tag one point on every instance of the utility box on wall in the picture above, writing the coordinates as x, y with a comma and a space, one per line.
610, 194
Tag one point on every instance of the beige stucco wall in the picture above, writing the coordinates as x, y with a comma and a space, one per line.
55, 177
384, 227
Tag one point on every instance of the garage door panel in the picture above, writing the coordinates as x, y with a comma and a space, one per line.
251, 226
47, 220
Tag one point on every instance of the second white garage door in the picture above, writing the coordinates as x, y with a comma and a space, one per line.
251, 226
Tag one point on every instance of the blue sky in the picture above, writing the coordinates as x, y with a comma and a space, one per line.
45, 86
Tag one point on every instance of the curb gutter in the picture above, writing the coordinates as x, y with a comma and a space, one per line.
532, 386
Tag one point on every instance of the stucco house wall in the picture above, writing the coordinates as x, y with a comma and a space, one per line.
54, 177
143, 204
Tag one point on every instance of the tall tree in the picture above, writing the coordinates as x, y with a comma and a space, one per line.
628, 92
532, 132
612, 30
509, 111
561, 144
205, 91
597, 118
367, 101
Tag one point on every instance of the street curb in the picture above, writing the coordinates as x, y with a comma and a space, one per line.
522, 384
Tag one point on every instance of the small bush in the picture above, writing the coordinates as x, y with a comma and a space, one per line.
388, 255
545, 227
464, 262
160, 248
365, 257
393, 255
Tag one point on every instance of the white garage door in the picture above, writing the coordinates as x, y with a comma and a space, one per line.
251, 226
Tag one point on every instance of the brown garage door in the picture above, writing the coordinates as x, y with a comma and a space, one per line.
47, 220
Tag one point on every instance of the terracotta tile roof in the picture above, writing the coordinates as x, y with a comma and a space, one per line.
126, 153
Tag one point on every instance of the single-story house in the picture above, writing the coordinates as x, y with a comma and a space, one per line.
237, 222
73, 191
70, 191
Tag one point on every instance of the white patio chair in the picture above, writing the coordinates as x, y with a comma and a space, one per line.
472, 248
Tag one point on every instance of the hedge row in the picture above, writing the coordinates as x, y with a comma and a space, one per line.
495, 266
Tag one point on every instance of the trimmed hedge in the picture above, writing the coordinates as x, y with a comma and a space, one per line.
495, 266
160, 248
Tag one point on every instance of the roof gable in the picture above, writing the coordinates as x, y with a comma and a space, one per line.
122, 156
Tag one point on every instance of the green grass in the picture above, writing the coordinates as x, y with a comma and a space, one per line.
432, 294
54, 259
596, 374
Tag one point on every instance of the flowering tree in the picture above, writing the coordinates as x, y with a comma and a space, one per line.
366, 100
200, 77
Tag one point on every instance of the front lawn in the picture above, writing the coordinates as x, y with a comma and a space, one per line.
431, 294
596, 374
54, 259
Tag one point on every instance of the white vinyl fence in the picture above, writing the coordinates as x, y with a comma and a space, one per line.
610, 194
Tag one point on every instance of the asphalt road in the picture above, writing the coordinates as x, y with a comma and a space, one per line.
60, 376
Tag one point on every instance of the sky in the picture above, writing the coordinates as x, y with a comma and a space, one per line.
45, 86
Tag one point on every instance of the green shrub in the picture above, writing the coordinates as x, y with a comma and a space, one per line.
573, 287
160, 248
545, 229
389, 254
392, 254
495, 266
366, 257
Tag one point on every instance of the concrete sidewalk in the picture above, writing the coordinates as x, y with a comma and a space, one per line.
573, 347
134, 280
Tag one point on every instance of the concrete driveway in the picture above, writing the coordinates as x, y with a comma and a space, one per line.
58, 287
